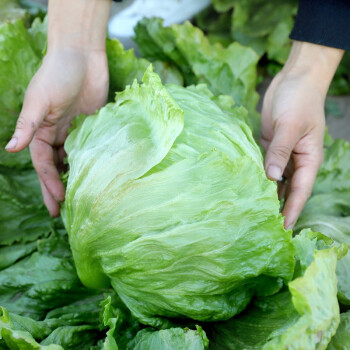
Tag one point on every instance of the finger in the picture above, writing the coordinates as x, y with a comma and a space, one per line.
51, 204
279, 151
299, 191
43, 160
32, 114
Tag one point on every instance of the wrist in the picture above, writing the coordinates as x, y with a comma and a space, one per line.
80, 24
315, 62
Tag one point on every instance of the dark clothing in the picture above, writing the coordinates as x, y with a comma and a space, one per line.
323, 22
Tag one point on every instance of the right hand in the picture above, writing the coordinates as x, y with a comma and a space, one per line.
69, 82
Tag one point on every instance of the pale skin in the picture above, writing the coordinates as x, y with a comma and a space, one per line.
293, 122
73, 79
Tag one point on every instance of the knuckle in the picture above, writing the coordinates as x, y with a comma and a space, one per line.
288, 121
281, 152
21, 123
41, 169
33, 125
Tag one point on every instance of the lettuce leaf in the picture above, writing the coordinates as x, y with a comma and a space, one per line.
23, 217
10, 10
229, 71
263, 26
18, 63
328, 209
38, 283
341, 340
170, 339
124, 67
295, 319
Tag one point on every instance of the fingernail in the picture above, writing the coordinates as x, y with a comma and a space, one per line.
274, 172
12, 144
290, 227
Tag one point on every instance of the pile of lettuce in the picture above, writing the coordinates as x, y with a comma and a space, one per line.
189, 250
264, 26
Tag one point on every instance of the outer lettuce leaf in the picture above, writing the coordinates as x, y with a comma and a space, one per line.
230, 71
18, 63
119, 199
91, 323
144, 141
110, 320
125, 67
23, 217
10, 10
315, 298
41, 281
72, 337
264, 26
328, 209
170, 339
334, 174
304, 318
16, 333
216, 26
77, 325
262, 320
10, 254
341, 340
38, 32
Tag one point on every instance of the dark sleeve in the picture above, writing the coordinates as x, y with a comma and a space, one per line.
323, 22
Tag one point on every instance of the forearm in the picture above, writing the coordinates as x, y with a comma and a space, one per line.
317, 62
78, 24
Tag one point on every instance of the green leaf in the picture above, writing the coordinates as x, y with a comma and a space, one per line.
124, 67
10, 10
18, 63
72, 337
341, 340
314, 296
328, 209
23, 217
230, 71
264, 319
170, 339
305, 317
38, 283
16, 332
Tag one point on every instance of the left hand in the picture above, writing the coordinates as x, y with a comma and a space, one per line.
293, 122
292, 132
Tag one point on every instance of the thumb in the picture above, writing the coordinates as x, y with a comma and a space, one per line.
32, 114
280, 149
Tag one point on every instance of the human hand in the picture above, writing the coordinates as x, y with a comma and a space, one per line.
293, 122
68, 83
72, 79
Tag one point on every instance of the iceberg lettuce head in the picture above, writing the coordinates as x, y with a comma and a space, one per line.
167, 200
